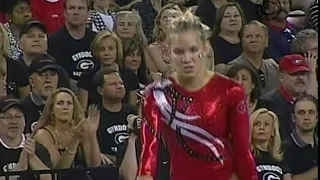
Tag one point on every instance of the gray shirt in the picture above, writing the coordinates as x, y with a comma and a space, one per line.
269, 68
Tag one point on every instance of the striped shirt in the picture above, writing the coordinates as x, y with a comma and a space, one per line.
312, 16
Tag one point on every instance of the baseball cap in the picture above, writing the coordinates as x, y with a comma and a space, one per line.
9, 102
294, 63
42, 63
30, 24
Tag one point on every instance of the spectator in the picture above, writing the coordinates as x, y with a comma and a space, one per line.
113, 117
43, 80
207, 10
281, 33
312, 15
18, 13
74, 41
17, 151
301, 147
294, 75
249, 80
107, 49
15, 74
34, 45
226, 41
159, 50
307, 43
101, 17
49, 12
266, 145
128, 25
63, 130
148, 9
134, 59
254, 41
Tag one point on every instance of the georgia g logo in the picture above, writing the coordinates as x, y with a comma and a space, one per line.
242, 107
120, 137
85, 64
270, 176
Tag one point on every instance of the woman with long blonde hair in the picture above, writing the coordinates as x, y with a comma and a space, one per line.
66, 133
159, 50
266, 145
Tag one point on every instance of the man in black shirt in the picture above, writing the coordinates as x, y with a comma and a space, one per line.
44, 80
113, 118
70, 45
17, 151
301, 147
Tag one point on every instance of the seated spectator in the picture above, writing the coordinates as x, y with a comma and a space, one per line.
254, 41
294, 76
249, 80
128, 25
34, 45
159, 50
266, 146
106, 48
113, 113
312, 15
306, 43
17, 151
281, 33
15, 74
73, 40
63, 130
43, 80
134, 59
207, 11
148, 10
226, 41
301, 147
101, 17
49, 12
18, 13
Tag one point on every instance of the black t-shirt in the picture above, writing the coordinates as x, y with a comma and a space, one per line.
269, 168
32, 113
73, 55
163, 167
129, 78
113, 128
10, 156
224, 52
17, 77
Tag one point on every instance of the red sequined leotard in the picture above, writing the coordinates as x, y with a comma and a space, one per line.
206, 132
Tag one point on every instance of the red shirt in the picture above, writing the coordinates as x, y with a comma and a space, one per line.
49, 12
212, 122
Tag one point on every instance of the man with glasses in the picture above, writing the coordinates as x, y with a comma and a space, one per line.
43, 80
254, 40
17, 151
294, 76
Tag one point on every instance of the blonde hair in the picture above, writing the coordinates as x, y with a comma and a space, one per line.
96, 43
274, 145
47, 115
6, 43
188, 22
158, 34
140, 36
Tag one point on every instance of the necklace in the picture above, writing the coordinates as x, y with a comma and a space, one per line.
58, 138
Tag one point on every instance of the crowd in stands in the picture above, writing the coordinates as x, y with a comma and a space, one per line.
73, 75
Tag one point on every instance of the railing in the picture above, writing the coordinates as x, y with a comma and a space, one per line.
98, 173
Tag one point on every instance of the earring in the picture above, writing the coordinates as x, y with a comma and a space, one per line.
200, 56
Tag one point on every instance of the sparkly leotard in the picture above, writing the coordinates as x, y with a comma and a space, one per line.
206, 131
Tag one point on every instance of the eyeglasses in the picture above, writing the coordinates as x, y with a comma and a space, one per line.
262, 78
288, 35
10, 118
